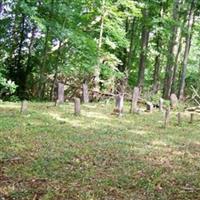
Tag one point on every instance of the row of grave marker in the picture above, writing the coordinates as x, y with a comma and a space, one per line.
119, 102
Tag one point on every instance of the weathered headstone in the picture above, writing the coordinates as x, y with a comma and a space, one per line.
179, 118
166, 120
161, 102
191, 118
85, 93
149, 106
119, 103
135, 98
173, 101
24, 106
60, 95
77, 106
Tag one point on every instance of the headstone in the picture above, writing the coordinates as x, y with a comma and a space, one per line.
24, 106
173, 101
161, 101
191, 118
135, 98
119, 104
166, 120
85, 93
77, 106
149, 106
60, 98
179, 118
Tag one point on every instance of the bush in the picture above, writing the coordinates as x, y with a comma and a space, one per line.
7, 87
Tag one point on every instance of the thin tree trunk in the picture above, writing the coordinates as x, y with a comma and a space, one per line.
56, 73
97, 68
191, 19
171, 53
156, 74
42, 81
20, 70
29, 66
174, 78
157, 67
130, 52
143, 54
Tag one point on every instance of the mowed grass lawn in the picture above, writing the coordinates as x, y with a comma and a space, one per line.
49, 153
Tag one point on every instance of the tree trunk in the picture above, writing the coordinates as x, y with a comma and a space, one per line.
156, 73
130, 52
85, 93
191, 19
42, 81
143, 54
97, 68
176, 64
56, 73
171, 53
21, 76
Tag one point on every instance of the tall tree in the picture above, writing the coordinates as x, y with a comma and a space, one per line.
171, 51
144, 45
190, 22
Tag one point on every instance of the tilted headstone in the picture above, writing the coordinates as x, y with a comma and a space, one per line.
119, 103
77, 106
179, 118
135, 98
191, 118
61, 96
85, 93
161, 102
173, 101
166, 120
149, 106
24, 106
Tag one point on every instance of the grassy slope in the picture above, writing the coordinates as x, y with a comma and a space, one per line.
51, 154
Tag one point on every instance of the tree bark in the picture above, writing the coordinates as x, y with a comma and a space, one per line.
176, 64
157, 67
42, 81
97, 68
191, 19
132, 37
171, 53
21, 77
143, 54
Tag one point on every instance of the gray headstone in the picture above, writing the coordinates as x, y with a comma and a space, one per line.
161, 101
149, 106
173, 100
61, 96
135, 98
24, 106
77, 106
119, 103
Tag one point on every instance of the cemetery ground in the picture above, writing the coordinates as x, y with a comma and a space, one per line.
48, 153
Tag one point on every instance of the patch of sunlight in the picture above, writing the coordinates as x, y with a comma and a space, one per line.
178, 153
9, 105
56, 116
158, 143
138, 132
77, 123
89, 106
95, 115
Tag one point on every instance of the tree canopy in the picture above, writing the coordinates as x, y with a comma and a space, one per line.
106, 43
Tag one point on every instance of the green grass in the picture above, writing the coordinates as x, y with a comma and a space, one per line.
50, 154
